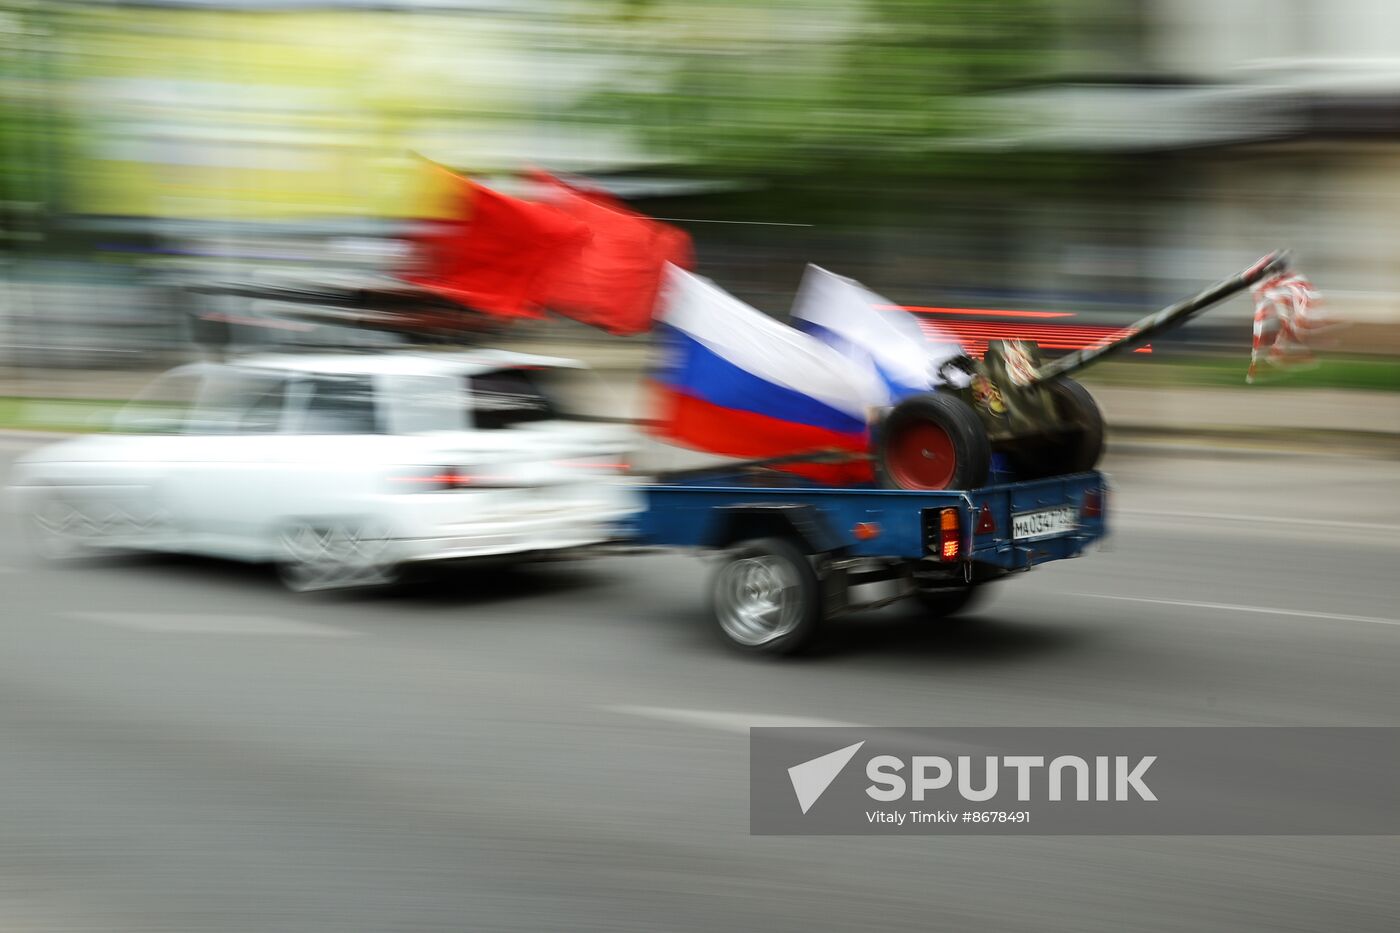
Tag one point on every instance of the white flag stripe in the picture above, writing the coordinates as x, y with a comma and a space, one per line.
767, 348
870, 325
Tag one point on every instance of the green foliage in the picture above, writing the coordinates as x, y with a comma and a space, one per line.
30, 126
811, 86
1332, 371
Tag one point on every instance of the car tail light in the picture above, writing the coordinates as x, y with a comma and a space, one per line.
986, 522
603, 466
434, 479
949, 534
1092, 506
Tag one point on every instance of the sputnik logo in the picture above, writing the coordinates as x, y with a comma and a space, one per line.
811, 778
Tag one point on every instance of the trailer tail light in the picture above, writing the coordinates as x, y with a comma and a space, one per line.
949, 534
986, 522
1092, 506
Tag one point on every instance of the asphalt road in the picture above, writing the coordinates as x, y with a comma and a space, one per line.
187, 748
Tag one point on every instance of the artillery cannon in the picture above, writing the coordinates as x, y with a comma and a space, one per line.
1010, 402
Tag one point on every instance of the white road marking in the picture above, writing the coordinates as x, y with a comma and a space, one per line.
1231, 607
1260, 519
896, 736
182, 623
725, 721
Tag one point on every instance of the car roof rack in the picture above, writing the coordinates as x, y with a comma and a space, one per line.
363, 301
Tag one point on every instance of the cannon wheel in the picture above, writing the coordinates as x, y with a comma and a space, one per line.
1079, 449
933, 441
1076, 448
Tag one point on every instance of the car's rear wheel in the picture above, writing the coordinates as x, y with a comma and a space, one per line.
60, 528
327, 554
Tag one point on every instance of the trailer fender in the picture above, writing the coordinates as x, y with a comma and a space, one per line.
798, 523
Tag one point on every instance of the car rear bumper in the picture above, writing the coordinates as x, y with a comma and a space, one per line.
560, 532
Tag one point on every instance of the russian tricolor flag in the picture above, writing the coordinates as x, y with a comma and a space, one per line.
735, 381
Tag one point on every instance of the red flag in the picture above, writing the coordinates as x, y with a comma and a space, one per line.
614, 281
492, 254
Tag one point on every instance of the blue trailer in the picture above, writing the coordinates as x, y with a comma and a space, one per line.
791, 554
1020, 438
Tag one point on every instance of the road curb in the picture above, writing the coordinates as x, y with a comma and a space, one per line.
1124, 439
20, 434
1260, 440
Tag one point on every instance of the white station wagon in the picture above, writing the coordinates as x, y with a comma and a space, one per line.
340, 469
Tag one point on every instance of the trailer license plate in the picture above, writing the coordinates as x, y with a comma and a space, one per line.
1044, 523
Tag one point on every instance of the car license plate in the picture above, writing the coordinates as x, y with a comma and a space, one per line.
1044, 523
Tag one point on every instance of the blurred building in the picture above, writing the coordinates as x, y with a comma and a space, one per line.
1243, 125
1103, 156
179, 138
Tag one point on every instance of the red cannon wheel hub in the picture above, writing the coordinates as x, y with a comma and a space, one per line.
921, 456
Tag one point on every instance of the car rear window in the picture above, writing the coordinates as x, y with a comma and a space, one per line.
339, 405
239, 401
507, 397
164, 406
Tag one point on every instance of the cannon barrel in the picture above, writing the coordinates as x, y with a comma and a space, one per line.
1164, 320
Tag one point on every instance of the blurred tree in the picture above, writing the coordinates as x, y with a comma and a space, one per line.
809, 87
30, 125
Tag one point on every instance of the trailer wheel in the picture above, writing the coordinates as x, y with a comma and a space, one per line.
766, 597
945, 603
1080, 448
933, 441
